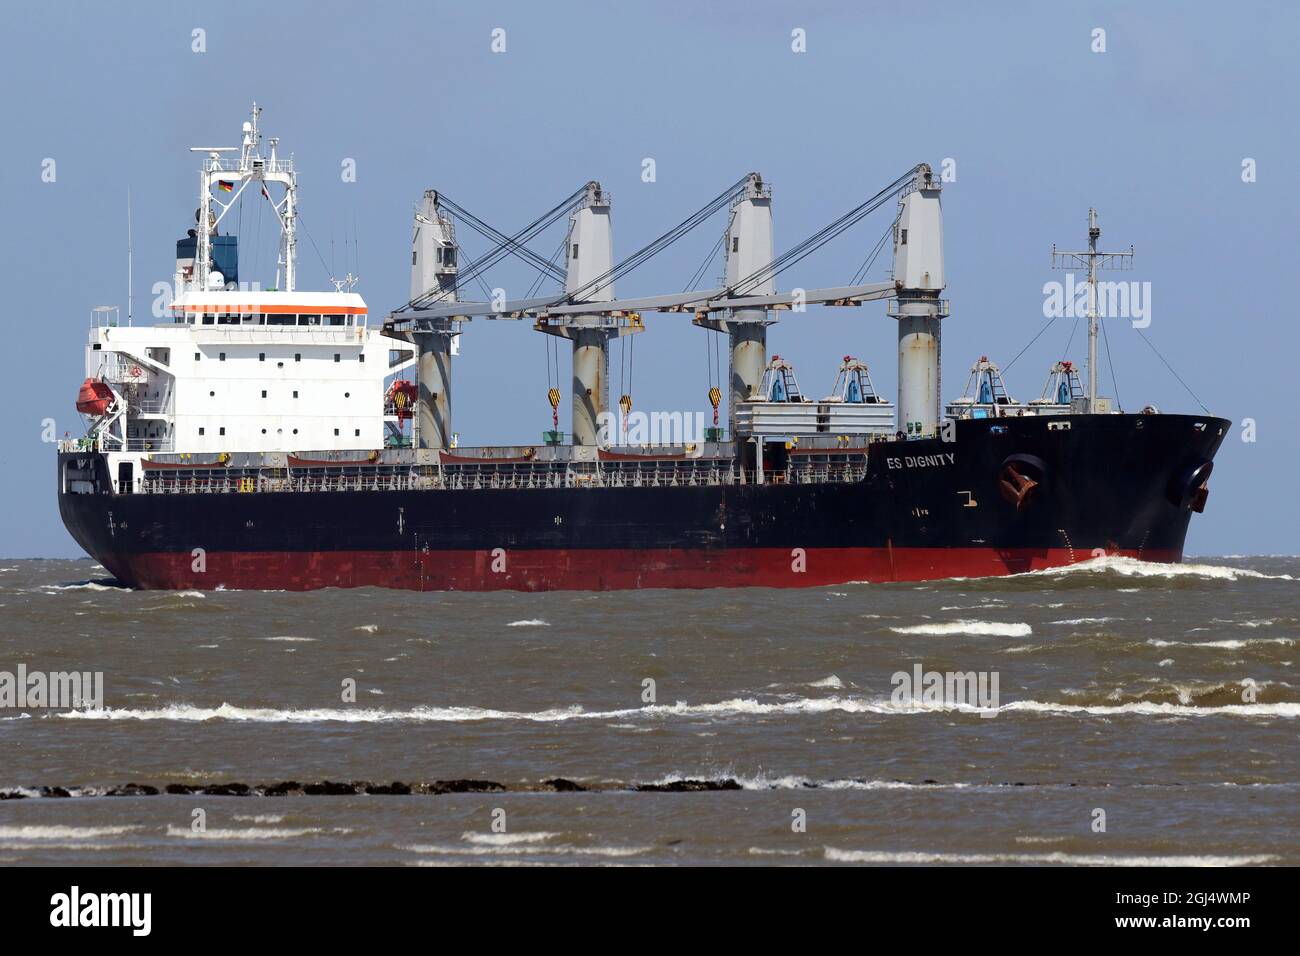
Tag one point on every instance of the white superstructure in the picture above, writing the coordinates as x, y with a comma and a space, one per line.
234, 367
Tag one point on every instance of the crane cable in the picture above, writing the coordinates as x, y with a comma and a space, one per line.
656, 246
822, 236
524, 235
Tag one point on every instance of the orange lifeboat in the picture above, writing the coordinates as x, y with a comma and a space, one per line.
95, 397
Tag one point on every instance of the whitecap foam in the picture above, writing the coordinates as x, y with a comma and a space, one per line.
833, 682
1231, 644
530, 622
970, 628
288, 638
61, 832
506, 839
525, 849
1133, 567
733, 707
367, 628
1067, 859
246, 833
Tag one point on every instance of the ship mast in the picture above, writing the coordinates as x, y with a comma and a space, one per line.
1095, 260
235, 176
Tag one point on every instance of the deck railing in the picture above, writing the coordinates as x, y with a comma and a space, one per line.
476, 477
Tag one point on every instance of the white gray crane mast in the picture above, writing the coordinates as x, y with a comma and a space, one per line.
588, 278
589, 315
433, 268
919, 278
748, 246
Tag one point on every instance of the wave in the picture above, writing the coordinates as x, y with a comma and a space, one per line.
286, 638
1068, 859
248, 833
832, 683
85, 586
61, 832
1134, 568
524, 849
974, 628
734, 707
506, 839
530, 622
1232, 644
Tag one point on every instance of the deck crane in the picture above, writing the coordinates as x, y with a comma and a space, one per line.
743, 307
436, 275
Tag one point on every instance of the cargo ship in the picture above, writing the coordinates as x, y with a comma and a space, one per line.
272, 438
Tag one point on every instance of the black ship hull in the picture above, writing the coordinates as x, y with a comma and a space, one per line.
1004, 496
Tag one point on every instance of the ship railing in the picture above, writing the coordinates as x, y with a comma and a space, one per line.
670, 474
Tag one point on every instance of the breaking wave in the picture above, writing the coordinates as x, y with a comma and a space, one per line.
735, 707
1066, 859
975, 628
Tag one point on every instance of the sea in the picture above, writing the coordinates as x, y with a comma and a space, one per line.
1113, 712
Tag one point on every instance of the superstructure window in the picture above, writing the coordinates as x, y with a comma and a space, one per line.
279, 319
221, 356
261, 356
200, 429
361, 357
297, 356
264, 393
309, 319
221, 430
337, 357
575, 250
295, 393
197, 356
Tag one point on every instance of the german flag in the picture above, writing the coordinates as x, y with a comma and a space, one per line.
225, 185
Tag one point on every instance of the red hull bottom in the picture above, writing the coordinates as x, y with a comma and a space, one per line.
583, 570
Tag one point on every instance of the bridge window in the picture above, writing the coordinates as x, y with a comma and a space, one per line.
282, 319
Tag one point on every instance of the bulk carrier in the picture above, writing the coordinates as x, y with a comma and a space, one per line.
282, 439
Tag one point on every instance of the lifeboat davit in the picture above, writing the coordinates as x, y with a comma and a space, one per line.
94, 398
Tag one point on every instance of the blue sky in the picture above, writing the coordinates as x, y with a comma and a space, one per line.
1152, 132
